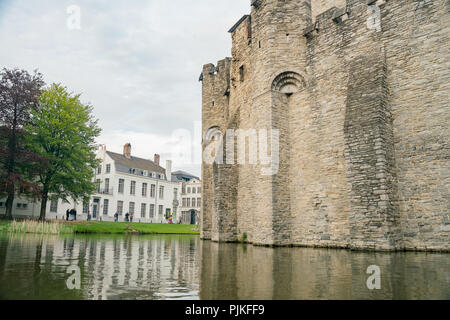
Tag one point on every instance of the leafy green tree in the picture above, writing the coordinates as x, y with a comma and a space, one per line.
63, 130
19, 93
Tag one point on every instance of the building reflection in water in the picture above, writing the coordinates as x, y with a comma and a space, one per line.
184, 267
155, 267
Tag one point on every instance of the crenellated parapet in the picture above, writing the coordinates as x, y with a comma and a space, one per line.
215, 93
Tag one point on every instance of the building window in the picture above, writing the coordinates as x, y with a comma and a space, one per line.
189, 190
175, 194
194, 190
152, 210
107, 186
108, 168
160, 210
85, 206
99, 170
193, 202
143, 210
99, 182
199, 202
183, 190
188, 202
241, 73
168, 213
105, 206
131, 208
133, 188
161, 192
144, 189
184, 202
119, 208
54, 206
22, 206
152, 190
121, 185
199, 190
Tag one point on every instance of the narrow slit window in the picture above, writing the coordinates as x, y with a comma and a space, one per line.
241, 73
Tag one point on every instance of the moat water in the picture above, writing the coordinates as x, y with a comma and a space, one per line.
184, 267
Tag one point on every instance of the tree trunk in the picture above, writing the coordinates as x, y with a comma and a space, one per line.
10, 184
9, 206
43, 206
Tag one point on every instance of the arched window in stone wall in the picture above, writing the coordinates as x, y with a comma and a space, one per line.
213, 146
212, 134
288, 82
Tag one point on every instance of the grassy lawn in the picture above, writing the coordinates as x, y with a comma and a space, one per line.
126, 227
99, 227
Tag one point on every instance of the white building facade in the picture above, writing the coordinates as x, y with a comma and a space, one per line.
190, 198
139, 187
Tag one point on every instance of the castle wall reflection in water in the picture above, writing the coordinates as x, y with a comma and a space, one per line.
184, 267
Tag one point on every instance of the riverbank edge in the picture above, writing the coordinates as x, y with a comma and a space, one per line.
116, 228
333, 247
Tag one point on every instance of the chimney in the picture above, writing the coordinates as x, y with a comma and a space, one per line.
157, 157
169, 170
127, 150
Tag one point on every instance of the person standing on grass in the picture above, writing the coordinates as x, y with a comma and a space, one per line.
127, 217
116, 217
67, 214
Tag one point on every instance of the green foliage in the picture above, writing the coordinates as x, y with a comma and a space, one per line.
64, 131
19, 93
4, 224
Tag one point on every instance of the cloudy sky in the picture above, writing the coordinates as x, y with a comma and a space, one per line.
137, 62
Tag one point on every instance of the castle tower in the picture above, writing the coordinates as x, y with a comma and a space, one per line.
217, 216
266, 86
332, 95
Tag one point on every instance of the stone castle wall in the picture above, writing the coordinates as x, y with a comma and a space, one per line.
361, 104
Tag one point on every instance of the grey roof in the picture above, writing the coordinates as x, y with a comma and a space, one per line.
182, 176
136, 163
233, 28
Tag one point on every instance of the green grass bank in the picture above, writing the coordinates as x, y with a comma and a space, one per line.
95, 227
